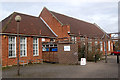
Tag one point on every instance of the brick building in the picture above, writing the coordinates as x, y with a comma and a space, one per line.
31, 32
64, 26
48, 26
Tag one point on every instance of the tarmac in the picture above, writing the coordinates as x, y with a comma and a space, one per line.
48, 70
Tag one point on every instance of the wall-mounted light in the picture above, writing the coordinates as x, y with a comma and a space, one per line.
4, 36
68, 32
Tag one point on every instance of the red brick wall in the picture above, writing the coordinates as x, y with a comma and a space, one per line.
65, 30
0, 49
13, 61
54, 24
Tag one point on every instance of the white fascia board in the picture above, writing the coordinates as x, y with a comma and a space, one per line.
48, 26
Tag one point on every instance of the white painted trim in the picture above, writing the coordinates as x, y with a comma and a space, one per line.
25, 48
38, 47
8, 48
26, 45
109, 47
15, 47
48, 26
101, 46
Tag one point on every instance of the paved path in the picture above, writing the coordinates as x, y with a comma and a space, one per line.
91, 70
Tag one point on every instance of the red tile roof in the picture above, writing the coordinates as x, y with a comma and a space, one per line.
29, 25
79, 26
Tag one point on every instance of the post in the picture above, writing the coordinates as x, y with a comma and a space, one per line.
18, 65
95, 58
18, 19
105, 49
86, 47
117, 58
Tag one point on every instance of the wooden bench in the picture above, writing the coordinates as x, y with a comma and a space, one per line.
35, 60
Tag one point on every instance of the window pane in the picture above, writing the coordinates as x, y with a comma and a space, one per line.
35, 46
11, 46
23, 46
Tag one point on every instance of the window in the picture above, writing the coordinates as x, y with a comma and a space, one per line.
23, 46
101, 46
82, 38
108, 45
12, 46
104, 46
49, 47
89, 46
96, 46
35, 47
73, 38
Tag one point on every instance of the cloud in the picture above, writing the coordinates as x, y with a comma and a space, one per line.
71, 1
104, 14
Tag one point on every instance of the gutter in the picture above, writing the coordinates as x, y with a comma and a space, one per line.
11, 34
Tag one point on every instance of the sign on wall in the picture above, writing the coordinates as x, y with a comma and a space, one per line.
66, 48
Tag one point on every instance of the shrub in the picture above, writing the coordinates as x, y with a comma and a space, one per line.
91, 56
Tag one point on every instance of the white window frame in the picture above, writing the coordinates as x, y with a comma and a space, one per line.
104, 46
96, 43
109, 46
14, 47
35, 47
101, 46
25, 47
72, 38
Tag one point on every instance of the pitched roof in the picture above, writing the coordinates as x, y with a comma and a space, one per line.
29, 25
79, 26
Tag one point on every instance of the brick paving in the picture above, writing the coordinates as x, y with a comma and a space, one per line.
47, 70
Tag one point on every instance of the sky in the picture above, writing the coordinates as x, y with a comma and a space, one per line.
102, 12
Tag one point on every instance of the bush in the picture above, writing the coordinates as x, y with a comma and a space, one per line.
91, 56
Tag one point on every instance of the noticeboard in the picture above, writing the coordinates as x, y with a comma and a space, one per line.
66, 48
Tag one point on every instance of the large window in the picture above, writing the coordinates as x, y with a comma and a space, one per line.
73, 38
108, 45
35, 47
49, 47
101, 46
96, 46
105, 46
23, 47
12, 46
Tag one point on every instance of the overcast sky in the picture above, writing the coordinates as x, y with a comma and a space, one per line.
103, 13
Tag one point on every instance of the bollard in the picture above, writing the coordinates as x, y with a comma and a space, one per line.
117, 58
95, 58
